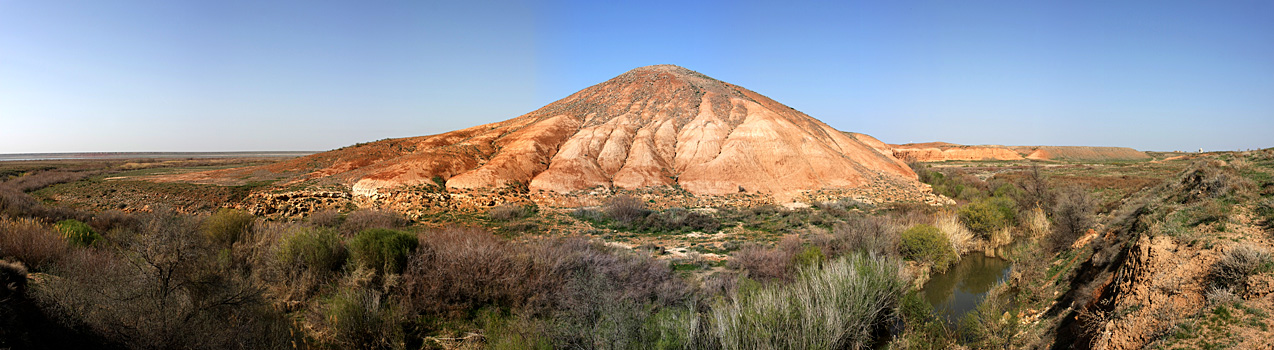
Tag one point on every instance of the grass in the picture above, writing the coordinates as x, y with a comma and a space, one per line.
833, 307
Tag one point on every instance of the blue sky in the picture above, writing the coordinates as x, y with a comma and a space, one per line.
317, 75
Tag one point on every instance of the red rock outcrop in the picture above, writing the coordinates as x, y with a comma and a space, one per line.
652, 126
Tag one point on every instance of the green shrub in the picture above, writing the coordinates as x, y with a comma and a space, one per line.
811, 256
226, 225
833, 307
78, 233
987, 215
922, 327
364, 319
926, 243
382, 249
315, 249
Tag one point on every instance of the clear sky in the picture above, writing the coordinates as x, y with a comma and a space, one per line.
316, 75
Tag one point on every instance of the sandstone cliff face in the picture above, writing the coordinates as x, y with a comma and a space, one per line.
652, 126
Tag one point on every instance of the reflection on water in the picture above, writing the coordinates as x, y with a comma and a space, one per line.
962, 287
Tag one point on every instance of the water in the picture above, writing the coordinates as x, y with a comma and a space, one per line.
958, 291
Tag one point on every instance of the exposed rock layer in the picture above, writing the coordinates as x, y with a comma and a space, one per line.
942, 151
652, 126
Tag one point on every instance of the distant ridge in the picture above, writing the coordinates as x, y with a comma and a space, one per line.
151, 155
942, 151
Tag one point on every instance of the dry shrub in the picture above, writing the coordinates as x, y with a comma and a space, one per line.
507, 212
1035, 190
872, 235
27, 240
767, 263
326, 218
456, 270
626, 209
1073, 214
171, 291
13, 280
961, 238
1037, 224
15, 203
106, 221
364, 219
1208, 180
35, 181
1239, 262
601, 295
363, 319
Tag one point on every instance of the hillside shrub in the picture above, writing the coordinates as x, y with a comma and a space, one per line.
313, 249
925, 243
679, 220
226, 226
767, 263
326, 218
1074, 213
30, 242
507, 212
809, 257
833, 307
871, 235
626, 209
364, 319
78, 233
458, 270
1238, 263
381, 249
987, 215
599, 296
1209, 180
364, 219
1035, 191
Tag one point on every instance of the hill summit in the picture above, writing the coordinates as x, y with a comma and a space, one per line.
651, 126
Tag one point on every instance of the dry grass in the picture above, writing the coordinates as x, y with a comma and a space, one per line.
31, 242
962, 239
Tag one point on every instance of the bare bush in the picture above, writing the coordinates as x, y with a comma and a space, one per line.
27, 240
1239, 262
169, 293
457, 270
1210, 179
42, 179
767, 263
626, 209
507, 212
326, 218
1073, 215
364, 319
1036, 192
14, 203
872, 235
364, 219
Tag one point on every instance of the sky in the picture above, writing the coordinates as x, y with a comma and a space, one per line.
121, 76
